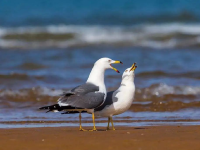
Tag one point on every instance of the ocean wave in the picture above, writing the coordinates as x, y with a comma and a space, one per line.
150, 74
153, 96
164, 106
163, 89
157, 90
162, 97
65, 36
27, 97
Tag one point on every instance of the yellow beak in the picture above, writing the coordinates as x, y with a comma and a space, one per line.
133, 67
116, 62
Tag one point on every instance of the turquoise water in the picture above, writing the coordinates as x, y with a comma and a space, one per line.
104, 12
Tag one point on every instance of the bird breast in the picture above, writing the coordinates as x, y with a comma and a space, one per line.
124, 100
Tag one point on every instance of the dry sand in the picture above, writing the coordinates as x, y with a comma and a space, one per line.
66, 138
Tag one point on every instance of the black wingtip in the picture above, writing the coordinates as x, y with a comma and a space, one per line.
48, 111
41, 108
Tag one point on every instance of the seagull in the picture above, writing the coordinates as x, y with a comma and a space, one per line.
88, 96
119, 101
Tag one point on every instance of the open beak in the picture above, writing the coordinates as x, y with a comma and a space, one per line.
115, 62
133, 67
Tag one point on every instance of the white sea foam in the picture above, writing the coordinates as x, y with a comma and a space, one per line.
164, 89
39, 91
158, 90
155, 36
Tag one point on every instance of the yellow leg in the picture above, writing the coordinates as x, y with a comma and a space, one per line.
81, 129
93, 118
108, 127
112, 123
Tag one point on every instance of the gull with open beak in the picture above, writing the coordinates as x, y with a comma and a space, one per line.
88, 96
119, 101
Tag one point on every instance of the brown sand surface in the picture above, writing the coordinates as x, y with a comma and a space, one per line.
66, 138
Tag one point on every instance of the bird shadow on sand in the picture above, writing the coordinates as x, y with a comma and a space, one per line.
103, 130
120, 129
140, 128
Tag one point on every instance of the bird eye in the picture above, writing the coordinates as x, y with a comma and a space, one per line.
126, 70
109, 60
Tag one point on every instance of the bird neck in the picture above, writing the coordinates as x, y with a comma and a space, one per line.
97, 75
127, 80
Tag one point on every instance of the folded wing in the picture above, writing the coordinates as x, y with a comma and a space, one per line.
86, 96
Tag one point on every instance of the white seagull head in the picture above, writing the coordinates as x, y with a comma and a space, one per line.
106, 63
129, 72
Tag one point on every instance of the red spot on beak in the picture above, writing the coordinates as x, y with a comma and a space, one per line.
117, 71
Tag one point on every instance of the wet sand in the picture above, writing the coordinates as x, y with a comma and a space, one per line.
144, 138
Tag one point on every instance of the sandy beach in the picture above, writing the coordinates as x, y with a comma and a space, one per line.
144, 138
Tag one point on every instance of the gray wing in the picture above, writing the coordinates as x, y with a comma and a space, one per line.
81, 89
85, 88
88, 101
83, 96
68, 93
109, 101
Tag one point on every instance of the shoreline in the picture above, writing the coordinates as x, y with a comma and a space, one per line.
99, 123
139, 138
